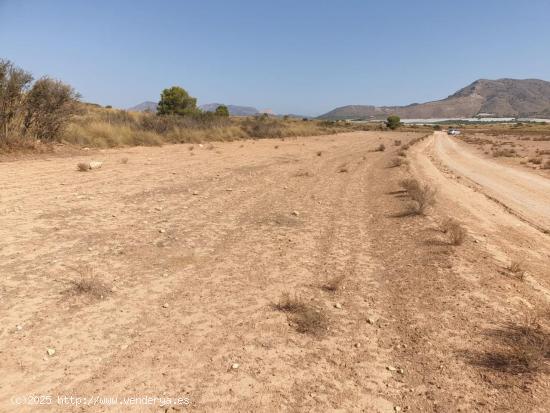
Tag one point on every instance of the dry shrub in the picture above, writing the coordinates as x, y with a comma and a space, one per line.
505, 152
454, 230
525, 348
380, 148
546, 165
306, 319
319, 153
397, 142
536, 161
423, 196
290, 304
409, 184
88, 284
124, 161
310, 321
396, 162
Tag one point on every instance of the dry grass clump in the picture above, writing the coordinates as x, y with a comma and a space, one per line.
536, 160
303, 316
88, 284
380, 148
290, 304
454, 231
409, 184
397, 142
505, 152
524, 348
310, 321
396, 162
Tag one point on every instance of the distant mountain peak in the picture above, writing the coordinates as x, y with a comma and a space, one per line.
146, 106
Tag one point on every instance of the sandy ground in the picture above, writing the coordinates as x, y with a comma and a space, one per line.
196, 246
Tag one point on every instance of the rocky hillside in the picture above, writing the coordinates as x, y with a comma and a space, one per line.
500, 98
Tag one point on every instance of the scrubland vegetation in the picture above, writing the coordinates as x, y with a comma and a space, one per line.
38, 114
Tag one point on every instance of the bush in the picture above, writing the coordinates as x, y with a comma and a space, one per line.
263, 127
49, 106
393, 122
423, 196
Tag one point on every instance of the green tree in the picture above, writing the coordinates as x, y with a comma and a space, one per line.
14, 83
393, 122
176, 101
222, 111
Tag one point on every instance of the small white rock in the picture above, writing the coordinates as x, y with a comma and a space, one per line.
165, 305
50, 351
235, 366
338, 305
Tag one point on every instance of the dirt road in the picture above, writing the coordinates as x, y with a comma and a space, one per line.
525, 193
198, 244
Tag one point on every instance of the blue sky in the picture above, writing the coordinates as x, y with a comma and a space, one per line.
303, 57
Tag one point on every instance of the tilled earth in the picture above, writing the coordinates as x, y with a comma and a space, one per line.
162, 277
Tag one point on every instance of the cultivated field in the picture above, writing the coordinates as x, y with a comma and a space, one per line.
302, 274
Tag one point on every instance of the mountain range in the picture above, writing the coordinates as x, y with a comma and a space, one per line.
498, 98
234, 110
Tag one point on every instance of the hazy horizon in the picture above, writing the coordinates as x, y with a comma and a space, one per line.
305, 58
